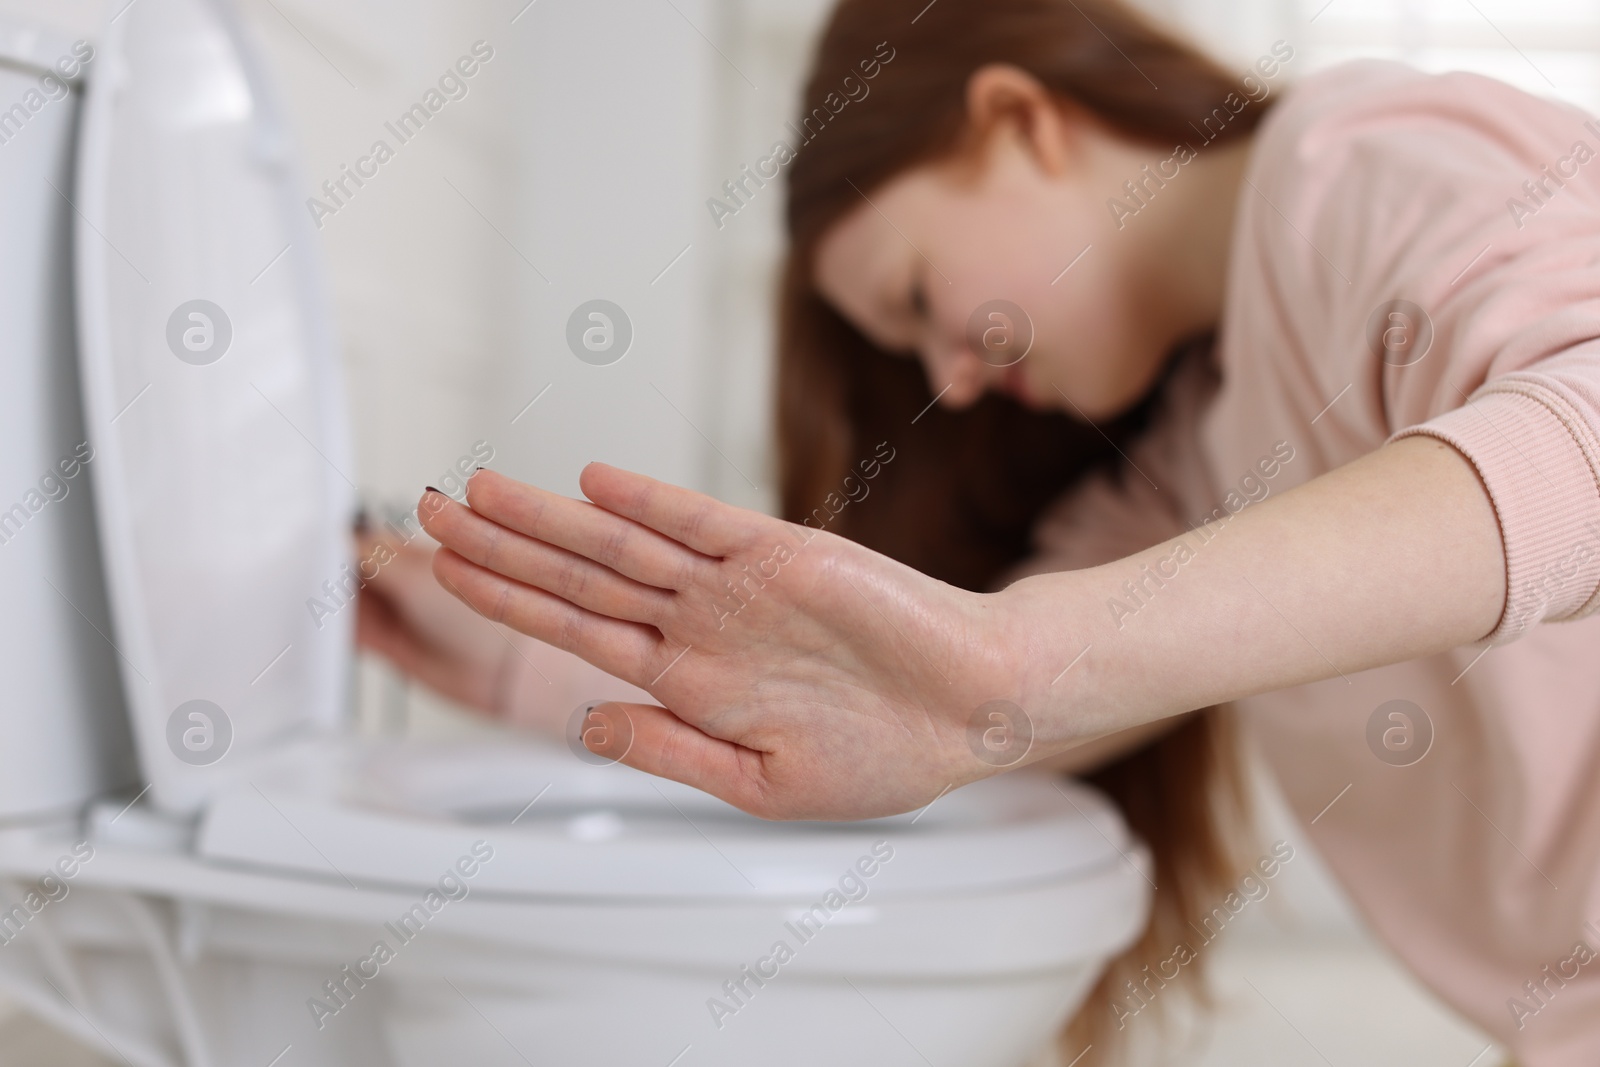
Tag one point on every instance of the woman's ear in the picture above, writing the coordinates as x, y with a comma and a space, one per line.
1002, 96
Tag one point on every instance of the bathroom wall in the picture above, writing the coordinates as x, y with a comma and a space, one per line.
420, 280
552, 182
571, 169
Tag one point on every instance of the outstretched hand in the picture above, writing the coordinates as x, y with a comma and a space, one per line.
799, 675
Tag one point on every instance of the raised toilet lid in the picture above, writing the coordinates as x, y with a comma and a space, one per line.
223, 478
402, 814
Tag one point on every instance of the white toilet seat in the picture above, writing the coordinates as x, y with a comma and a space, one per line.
1028, 929
397, 814
265, 899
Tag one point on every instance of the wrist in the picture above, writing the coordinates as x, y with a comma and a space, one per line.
1064, 660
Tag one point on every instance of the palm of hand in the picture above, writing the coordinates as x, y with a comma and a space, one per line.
805, 675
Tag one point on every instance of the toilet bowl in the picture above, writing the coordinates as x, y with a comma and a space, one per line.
609, 919
201, 863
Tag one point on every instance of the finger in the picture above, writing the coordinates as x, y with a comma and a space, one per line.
368, 540
654, 740
624, 649
397, 547
533, 562
704, 523
579, 526
391, 563
380, 630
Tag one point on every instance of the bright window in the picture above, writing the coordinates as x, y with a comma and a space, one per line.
1547, 47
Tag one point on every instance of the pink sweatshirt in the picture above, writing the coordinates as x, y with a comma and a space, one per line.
1476, 856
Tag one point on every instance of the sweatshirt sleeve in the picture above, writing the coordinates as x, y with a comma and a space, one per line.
1516, 383
1534, 437
1474, 209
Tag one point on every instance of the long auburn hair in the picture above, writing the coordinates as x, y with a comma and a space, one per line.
965, 488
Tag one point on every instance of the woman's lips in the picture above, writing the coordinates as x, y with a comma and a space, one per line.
1015, 384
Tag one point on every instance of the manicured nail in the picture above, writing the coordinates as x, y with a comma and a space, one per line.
431, 489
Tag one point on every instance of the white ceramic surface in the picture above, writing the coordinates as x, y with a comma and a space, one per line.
223, 483
54, 652
397, 813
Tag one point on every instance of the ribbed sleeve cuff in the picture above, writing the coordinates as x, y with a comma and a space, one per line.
1545, 493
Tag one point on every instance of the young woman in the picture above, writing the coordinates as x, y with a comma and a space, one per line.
1281, 398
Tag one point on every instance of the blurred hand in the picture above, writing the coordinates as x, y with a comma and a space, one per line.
409, 619
806, 676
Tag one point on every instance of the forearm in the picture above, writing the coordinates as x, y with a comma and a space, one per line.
1394, 556
1091, 755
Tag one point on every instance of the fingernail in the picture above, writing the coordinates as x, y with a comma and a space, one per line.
475, 470
362, 521
431, 489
